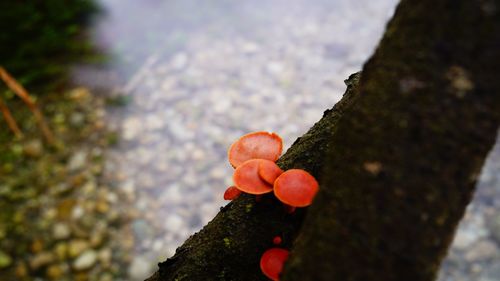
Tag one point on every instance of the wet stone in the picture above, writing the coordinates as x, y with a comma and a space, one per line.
21, 270
102, 206
85, 261
491, 273
64, 210
77, 161
61, 231
105, 256
174, 223
465, 238
106, 277
54, 272
37, 246
482, 250
139, 268
79, 94
61, 250
33, 148
41, 259
142, 229
5, 260
494, 227
77, 119
76, 247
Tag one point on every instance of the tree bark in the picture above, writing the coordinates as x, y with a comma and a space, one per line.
397, 159
406, 157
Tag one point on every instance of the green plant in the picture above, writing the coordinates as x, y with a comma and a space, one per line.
40, 38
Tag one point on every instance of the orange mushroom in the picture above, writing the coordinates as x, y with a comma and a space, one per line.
232, 193
277, 240
296, 188
257, 145
246, 178
272, 261
269, 171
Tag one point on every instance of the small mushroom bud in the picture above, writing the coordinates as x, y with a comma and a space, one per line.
232, 193
277, 240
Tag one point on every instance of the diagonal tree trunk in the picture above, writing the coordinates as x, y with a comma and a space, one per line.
406, 157
397, 159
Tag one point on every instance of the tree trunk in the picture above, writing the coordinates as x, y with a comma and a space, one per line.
397, 159
406, 157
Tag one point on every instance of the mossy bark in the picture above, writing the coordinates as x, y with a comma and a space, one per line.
397, 159
405, 158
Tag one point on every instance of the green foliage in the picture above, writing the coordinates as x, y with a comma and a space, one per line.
39, 38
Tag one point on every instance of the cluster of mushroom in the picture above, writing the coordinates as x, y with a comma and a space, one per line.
253, 156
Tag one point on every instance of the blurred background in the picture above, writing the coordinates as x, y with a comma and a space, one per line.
144, 98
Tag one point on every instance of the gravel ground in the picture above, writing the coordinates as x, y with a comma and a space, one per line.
200, 82
58, 220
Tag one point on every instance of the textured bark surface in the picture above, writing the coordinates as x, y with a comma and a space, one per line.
397, 159
405, 158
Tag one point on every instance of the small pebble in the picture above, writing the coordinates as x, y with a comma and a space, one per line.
41, 259
139, 268
61, 231
5, 260
76, 247
85, 261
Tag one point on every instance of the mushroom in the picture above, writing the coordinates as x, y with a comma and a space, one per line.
246, 178
277, 240
269, 171
296, 188
272, 261
257, 145
232, 193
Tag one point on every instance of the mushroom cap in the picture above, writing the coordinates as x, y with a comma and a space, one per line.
256, 145
231, 193
296, 188
246, 178
269, 171
272, 261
